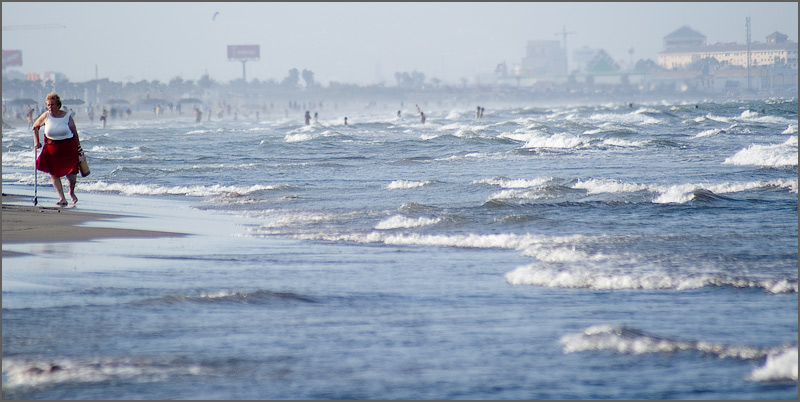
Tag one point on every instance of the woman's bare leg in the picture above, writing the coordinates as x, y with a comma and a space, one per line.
73, 180
59, 189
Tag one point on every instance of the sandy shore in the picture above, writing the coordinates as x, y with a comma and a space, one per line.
38, 224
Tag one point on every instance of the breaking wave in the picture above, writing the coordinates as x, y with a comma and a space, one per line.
403, 222
542, 188
773, 155
228, 296
154, 189
37, 373
587, 278
407, 184
780, 363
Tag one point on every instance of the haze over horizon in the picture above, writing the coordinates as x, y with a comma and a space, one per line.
359, 43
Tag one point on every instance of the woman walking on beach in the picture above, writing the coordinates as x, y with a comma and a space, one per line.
59, 156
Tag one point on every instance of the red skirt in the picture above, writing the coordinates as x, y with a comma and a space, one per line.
59, 158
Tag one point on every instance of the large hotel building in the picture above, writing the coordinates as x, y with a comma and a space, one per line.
687, 46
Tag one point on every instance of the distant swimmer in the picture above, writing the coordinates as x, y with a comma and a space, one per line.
398, 114
345, 121
104, 117
478, 112
308, 117
422, 117
316, 115
30, 117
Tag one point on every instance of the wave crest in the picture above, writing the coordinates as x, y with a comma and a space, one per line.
632, 341
773, 155
580, 278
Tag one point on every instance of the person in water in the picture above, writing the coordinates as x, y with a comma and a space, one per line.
104, 117
62, 147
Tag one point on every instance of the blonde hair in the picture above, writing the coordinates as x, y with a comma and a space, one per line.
52, 96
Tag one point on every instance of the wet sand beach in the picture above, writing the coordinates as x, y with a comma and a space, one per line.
40, 224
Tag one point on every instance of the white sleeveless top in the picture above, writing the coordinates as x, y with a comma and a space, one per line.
57, 128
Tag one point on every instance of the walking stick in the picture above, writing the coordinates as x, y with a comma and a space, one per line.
35, 176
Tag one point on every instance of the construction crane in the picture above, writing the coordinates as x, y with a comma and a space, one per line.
566, 55
41, 26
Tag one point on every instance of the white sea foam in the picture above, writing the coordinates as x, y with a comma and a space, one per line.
619, 142
498, 241
641, 116
606, 277
449, 128
772, 155
21, 159
20, 373
154, 189
779, 366
453, 115
709, 132
632, 341
560, 140
596, 186
602, 128
407, 184
513, 183
274, 219
523, 135
404, 222
677, 194
718, 118
513, 194
466, 132
530, 189
752, 116
300, 137
682, 193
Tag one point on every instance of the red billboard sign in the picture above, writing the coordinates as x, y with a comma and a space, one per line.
244, 52
12, 58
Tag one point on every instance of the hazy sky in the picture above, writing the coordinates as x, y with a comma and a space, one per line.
360, 43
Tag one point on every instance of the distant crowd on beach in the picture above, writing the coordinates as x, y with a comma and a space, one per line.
17, 114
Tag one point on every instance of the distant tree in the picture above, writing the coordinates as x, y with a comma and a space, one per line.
705, 64
205, 82
292, 80
402, 79
308, 77
415, 79
176, 82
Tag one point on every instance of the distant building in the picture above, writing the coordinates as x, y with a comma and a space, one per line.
684, 37
685, 47
602, 63
581, 57
544, 57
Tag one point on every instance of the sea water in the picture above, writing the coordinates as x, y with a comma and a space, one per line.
539, 252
